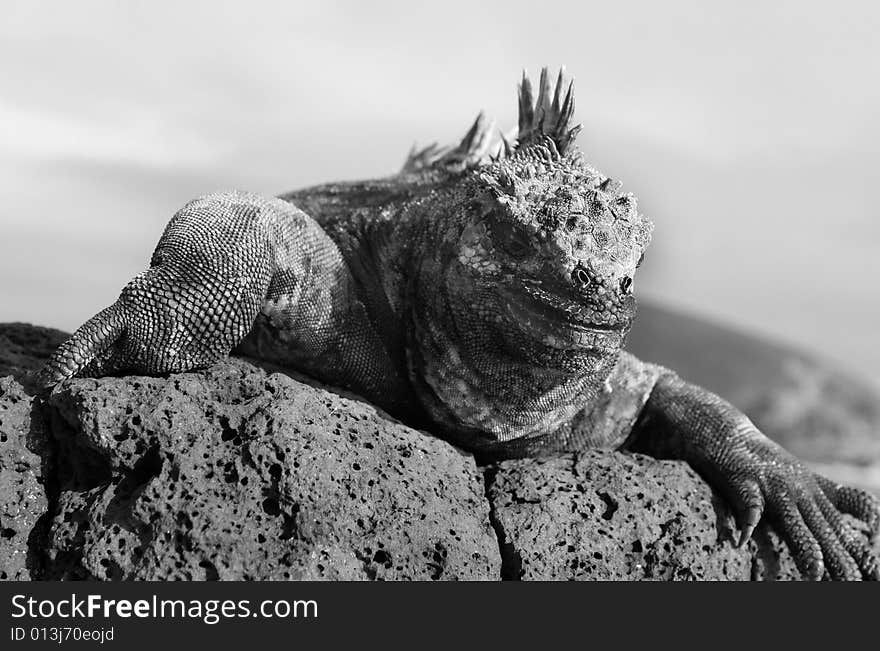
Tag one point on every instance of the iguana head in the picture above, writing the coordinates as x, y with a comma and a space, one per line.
544, 244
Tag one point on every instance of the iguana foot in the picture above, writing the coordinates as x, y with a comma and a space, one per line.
806, 509
199, 298
158, 325
761, 479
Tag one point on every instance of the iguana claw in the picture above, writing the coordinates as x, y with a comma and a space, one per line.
763, 481
88, 349
806, 509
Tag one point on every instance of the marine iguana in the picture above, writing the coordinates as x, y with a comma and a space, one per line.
484, 297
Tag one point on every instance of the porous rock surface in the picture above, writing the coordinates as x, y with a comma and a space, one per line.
23, 349
22, 497
235, 472
607, 516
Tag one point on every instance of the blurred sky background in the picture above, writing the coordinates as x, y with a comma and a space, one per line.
749, 131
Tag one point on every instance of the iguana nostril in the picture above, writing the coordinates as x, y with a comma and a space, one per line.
580, 276
626, 285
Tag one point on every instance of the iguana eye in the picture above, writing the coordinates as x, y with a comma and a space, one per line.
641, 259
580, 276
626, 285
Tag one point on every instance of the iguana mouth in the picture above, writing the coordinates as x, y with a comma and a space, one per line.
560, 323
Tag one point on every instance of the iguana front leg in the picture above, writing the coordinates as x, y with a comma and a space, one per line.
759, 478
222, 259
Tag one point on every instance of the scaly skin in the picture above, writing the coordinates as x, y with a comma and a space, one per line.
487, 298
